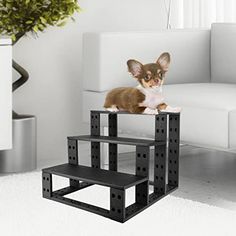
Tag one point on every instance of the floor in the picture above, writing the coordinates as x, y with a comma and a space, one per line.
23, 212
206, 175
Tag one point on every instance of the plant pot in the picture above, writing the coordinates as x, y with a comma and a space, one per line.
22, 157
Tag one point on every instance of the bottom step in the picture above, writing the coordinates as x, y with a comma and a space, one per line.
118, 182
96, 176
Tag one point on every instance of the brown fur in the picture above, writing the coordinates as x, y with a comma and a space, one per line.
125, 98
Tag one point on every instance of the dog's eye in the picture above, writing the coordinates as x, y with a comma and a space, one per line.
146, 78
160, 74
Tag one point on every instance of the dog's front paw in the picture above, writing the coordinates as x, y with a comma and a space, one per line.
172, 109
177, 109
150, 111
112, 109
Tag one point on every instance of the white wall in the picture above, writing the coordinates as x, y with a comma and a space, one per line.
54, 61
5, 94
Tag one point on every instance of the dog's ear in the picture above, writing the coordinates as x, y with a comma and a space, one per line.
164, 61
135, 68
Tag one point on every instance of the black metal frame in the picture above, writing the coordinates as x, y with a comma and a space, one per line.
166, 167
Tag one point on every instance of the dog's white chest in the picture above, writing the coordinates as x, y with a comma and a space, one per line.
153, 97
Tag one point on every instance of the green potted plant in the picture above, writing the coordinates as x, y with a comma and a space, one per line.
19, 18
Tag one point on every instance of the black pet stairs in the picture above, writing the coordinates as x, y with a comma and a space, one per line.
166, 167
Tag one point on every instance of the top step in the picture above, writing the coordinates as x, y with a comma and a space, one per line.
118, 140
128, 113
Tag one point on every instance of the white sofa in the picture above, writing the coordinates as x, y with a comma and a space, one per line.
201, 79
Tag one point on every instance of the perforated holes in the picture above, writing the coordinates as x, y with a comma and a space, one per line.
157, 130
162, 155
170, 171
138, 154
73, 147
113, 209
44, 189
138, 168
119, 211
162, 118
170, 129
170, 140
162, 166
47, 179
144, 155
175, 118
119, 197
157, 118
157, 166
69, 147
157, 154
175, 140
92, 116
175, 129
162, 178
162, 131
170, 161
175, 162
113, 195
144, 169
43, 178
156, 177
175, 151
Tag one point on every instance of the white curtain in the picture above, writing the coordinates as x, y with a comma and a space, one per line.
201, 13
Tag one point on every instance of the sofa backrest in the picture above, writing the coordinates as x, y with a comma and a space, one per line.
223, 53
105, 56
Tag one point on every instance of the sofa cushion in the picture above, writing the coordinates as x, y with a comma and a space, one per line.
223, 53
105, 56
204, 118
207, 95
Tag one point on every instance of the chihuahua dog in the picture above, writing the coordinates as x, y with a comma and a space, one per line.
147, 97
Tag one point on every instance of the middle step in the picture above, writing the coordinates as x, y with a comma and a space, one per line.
118, 140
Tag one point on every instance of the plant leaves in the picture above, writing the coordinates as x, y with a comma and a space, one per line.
35, 28
62, 23
19, 17
13, 37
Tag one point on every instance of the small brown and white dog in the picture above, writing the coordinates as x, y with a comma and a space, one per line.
147, 97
